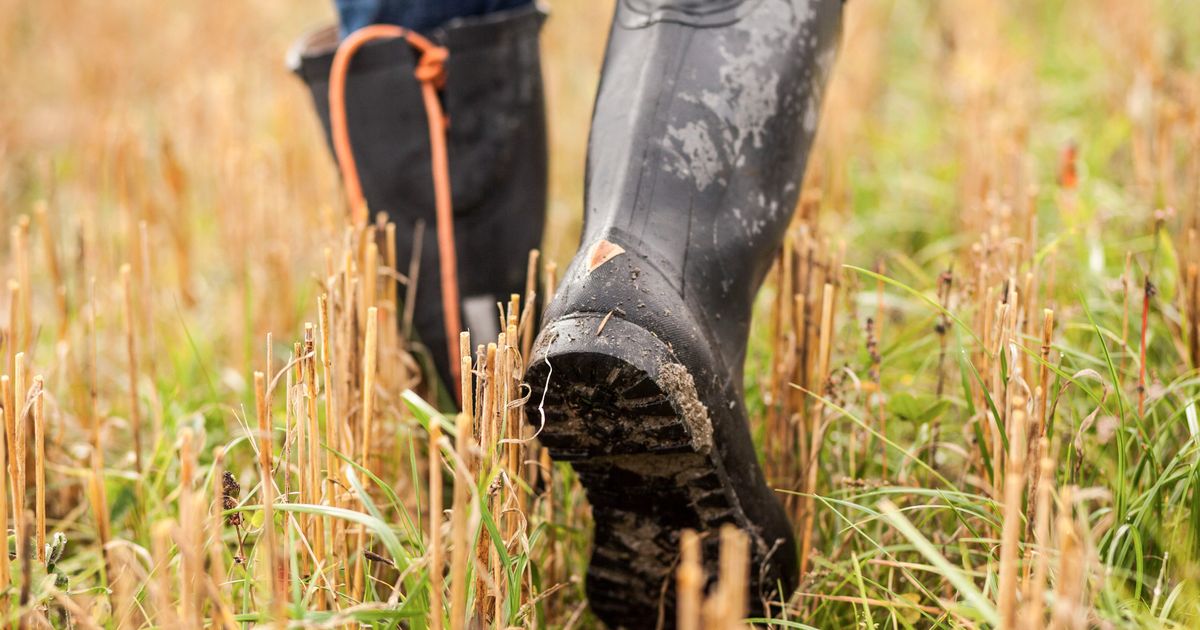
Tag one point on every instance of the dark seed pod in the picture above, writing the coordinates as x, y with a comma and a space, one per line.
231, 490
229, 486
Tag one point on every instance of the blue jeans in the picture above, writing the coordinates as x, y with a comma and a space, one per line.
418, 15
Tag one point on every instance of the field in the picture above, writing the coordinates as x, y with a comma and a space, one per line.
972, 373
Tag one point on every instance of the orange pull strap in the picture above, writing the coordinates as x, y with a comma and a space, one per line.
431, 72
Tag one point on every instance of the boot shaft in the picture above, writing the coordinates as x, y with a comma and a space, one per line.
703, 122
493, 97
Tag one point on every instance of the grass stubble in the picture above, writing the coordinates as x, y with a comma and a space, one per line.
979, 418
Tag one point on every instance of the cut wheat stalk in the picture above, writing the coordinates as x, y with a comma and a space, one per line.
499, 425
313, 462
10, 452
100, 500
289, 443
267, 490
160, 586
52, 264
370, 362
482, 461
333, 425
370, 355
812, 463
370, 276
126, 608
14, 323
550, 281
726, 606
186, 535
1035, 607
1038, 438
514, 424
1066, 613
222, 594
527, 318
135, 414
5, 564
21, 387
20, 253
147, 308
39, 459
1011, 526
689, 582
460, 539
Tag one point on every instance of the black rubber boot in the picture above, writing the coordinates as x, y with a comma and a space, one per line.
497, 154
699, 139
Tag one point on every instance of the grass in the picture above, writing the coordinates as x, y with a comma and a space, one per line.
972, 374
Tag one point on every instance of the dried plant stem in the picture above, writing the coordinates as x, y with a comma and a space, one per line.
100, 503
1037, 441
527, 323
550, 281
267, 488
499, 430
20, 253
39, 458
487, 445
1010, 533
1035, 607
217, 572
735, 572
147, 306
135, 414
19, 453
370, 275
370, 362
313, 462
185, 540
460, 537
333, 425
689, 582
812, 464
1065, 614
370, 354
332, 415
160, 587
461, 549
5, 568
10, 450
56, 275
14, 327
727, 606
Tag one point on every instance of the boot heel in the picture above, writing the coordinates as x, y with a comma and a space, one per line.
611, 398
604, 386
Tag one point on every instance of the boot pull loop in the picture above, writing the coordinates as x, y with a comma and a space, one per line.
431, 73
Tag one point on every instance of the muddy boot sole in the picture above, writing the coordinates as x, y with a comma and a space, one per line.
610, 398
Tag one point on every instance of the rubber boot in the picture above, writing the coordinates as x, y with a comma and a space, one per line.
699, 139
497, 154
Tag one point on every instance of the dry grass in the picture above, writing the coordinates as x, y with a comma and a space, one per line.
972, 374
